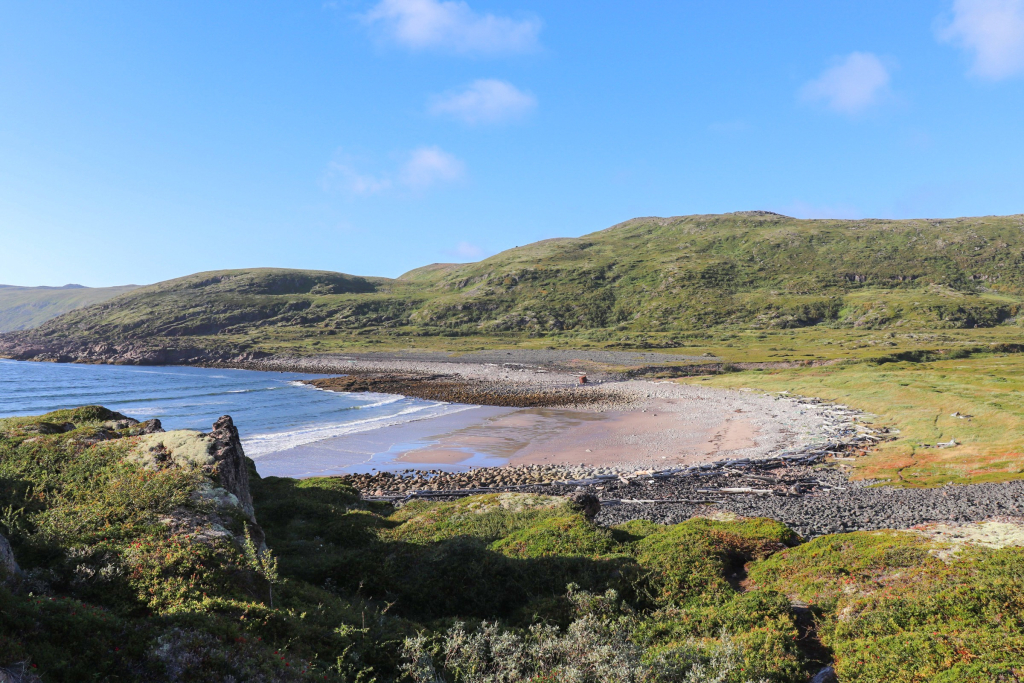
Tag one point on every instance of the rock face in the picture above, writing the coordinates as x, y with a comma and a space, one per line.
230, 463
8, 566
28, 346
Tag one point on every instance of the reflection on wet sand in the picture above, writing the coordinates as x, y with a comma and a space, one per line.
666, 432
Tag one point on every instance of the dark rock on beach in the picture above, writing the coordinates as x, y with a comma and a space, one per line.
457, 389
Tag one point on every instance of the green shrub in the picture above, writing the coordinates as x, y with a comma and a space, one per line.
895, 611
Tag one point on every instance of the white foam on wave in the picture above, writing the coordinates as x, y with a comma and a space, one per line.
262, 444
391, 398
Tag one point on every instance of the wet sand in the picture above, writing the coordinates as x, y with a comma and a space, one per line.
664, 433
659, 432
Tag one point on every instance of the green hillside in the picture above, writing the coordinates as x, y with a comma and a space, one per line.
656, 280
23, 308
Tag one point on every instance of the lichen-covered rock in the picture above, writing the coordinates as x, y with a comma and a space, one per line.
8, 566
179, 448
218, 454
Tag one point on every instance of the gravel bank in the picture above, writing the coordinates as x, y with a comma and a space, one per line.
849, 506
836, 505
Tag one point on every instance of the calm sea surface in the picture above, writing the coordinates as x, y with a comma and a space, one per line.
272, 410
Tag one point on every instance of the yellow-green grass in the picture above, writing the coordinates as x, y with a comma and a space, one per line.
920, 400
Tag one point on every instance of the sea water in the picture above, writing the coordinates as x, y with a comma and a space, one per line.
274, 411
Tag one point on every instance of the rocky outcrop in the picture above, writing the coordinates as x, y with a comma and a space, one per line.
27, 346
8, 566
231, 469
221, 457
148, 427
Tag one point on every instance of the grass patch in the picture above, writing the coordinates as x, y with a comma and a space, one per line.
920, 400
893, 611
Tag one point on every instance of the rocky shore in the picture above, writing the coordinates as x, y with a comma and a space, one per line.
813, 500
452, 388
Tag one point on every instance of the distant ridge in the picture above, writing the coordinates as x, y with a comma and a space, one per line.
642, 281
23, 308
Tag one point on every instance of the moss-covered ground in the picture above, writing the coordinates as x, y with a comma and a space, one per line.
112, 591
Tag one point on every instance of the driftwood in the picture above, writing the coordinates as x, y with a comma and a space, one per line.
689, 501
759, 492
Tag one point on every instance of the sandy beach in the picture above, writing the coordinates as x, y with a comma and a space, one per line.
620, 424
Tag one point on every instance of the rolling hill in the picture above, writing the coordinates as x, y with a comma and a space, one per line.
22, 308
647, 278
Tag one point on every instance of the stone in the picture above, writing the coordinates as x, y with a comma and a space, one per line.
9, 568
148, 427
587, 503
826, 675
231, 468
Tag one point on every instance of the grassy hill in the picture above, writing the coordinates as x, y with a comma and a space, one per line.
645, 282
22, 308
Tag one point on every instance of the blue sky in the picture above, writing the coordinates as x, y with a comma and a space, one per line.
144, 141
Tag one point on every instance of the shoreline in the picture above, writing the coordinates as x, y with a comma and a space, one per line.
740, 442
550, 419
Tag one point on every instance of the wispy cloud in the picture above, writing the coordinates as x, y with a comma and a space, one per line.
428, 166
342, 175
452, 25
993, 30
486, 100
854, 84
423, 168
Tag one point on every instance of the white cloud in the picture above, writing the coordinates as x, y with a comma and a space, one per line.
851, 86
991, 29
429, 166
424, 167
341, 175
485, 101
452, 25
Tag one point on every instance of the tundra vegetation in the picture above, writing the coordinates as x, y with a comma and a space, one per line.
134, 567
674, 283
